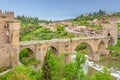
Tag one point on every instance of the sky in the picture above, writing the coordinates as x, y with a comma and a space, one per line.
58, 9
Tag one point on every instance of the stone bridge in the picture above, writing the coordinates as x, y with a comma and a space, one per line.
96, 46
10, 46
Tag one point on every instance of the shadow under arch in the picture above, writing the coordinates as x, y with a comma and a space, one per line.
101, 47
54, 50
111, 41
84, 46
25, 55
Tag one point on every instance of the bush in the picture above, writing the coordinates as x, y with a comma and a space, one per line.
18, 76
105, 75
60, 28
22, 73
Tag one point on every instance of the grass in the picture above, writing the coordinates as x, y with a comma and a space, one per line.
31, 61
22, 73
110, 63
2, 69
44, 34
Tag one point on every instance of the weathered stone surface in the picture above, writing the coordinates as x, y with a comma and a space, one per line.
94, 45
9, 39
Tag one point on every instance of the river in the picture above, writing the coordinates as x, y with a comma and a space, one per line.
92, 68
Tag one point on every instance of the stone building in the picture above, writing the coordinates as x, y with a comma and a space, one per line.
9, 39
111, 31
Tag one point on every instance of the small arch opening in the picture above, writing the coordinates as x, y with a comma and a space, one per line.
27, 57
54, 50
102, 49
101, 45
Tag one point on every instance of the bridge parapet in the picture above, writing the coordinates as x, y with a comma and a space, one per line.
61, 40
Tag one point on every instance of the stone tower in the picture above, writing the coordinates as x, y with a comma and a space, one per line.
9, 40
110, 30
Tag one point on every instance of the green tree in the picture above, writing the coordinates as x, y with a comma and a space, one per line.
115, 50
70, 71
18, 76
57, 66
46, 74
79, 62
104, 75
60, 28
74, 70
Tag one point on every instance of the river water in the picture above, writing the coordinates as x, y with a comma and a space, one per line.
91, 68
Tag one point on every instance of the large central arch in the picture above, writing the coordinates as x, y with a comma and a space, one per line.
87, 46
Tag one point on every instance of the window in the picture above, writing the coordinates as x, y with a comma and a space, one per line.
7, 26
108, 34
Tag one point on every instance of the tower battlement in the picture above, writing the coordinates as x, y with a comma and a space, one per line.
7, 14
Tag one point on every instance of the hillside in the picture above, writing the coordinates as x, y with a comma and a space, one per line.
30, 30
35, 29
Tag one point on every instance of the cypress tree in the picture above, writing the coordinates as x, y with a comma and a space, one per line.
47, 75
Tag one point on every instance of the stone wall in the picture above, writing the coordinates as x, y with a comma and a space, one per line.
111, 31
4, 55
9, 39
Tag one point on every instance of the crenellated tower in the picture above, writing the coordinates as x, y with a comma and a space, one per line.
7, 14
9, 39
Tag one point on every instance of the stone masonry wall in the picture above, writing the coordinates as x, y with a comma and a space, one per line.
9, 39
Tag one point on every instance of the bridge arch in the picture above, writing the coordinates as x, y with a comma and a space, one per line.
87, 45
101, 47
26, 54
101, 44
54, 50
91, 52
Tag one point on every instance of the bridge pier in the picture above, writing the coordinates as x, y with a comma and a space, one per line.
94, 57
68, 58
